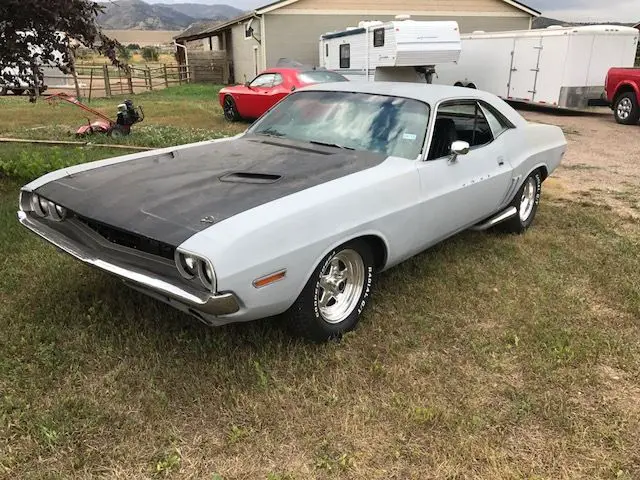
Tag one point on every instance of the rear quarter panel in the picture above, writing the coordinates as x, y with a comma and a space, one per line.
535, 146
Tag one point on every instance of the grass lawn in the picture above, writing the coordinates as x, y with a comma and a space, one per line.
487, 357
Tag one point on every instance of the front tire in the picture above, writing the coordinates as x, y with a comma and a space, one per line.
526, 202
230, 109
626, 109
336, 294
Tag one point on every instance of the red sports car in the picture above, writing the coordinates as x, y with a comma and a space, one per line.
251, 100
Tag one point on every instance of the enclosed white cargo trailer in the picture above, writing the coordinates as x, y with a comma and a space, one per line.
558, 67
402, 50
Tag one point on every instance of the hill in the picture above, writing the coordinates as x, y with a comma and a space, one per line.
139, 15
204, 12
544, 22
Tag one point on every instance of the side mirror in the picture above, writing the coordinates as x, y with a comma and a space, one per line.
458, 148
247, 84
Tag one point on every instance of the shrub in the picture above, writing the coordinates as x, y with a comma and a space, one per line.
29, 163
150, 54
133, 46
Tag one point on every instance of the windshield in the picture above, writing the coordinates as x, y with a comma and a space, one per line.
321, 76
391, 126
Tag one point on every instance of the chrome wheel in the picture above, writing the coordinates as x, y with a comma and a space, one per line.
625, 107
528, 200
340, 286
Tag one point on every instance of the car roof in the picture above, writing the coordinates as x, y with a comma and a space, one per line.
427, 93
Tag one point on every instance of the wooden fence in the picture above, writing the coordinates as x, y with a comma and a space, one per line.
92, 81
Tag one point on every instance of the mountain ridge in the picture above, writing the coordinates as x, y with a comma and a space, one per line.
139, 15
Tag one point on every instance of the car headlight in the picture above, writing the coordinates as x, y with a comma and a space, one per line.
207, 275
39, 205
46, 209
187, 265
191, 266
56, 212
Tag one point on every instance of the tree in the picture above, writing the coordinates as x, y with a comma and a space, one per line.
124, 54
37, 32
150, 54
133, 46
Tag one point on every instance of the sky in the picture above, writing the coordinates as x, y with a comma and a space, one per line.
627, 11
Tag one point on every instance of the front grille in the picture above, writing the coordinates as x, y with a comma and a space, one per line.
130, 240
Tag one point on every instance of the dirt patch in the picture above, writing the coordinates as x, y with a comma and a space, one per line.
602, 164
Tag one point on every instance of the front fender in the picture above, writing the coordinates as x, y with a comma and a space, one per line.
297, 231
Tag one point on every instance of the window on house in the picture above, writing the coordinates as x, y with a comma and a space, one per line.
345, 55
378, 37
326, 47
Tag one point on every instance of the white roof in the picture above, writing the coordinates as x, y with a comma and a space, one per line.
557, 30
424, 92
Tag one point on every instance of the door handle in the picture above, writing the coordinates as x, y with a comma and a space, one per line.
501, 161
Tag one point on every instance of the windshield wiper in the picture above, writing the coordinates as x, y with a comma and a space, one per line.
328, 144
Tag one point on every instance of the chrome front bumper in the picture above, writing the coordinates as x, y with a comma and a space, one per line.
217, 305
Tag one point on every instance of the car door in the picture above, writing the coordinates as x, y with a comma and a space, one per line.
280, 88
252, 98
460, 192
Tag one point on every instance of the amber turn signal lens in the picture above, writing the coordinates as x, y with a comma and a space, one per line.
269, 279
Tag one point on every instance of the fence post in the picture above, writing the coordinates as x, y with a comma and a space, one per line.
179, 74
149, 75
107, 82
90, 84
36, 86
129, 79
166, 77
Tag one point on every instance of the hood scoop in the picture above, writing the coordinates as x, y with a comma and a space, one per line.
250, 177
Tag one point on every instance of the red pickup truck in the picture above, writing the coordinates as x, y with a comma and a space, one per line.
623, 93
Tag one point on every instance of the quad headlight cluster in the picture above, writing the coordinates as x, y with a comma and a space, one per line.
191, 266
47, 209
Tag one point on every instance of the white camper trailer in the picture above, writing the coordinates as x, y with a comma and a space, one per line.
401, 50
557, 67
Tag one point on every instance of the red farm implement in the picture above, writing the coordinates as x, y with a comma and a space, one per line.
127, 116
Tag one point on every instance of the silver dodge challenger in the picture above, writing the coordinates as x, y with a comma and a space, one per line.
297, 215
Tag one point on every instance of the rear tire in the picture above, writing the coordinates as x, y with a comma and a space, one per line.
526, 202
18, 91
626, 110
230, 109
336, 294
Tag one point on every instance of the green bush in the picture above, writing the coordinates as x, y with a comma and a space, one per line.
30, 162
150, 54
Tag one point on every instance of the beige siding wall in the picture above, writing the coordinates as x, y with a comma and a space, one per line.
412, 5
297, 36
243, 54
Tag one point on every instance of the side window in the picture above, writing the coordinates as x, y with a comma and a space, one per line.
459, 120
497, 122
378, 37
345, 55
277, 80
326, 48
265, 80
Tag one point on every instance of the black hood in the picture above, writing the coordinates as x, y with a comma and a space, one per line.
171, 197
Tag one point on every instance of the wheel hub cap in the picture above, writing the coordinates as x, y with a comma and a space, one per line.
528, 199
624, 108
340, 286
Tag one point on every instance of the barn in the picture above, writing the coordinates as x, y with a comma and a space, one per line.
244, 46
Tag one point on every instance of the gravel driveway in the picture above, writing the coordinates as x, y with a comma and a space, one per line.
602, 164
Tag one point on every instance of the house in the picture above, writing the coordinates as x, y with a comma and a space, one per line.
291, 28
